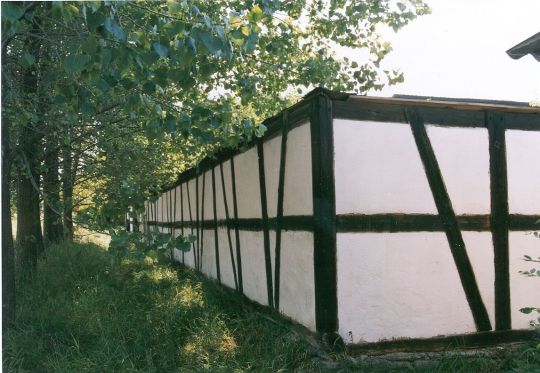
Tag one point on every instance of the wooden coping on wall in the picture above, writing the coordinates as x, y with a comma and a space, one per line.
439, 113
447, 104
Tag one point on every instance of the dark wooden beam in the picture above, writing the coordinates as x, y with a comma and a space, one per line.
266, 233
236, 229
279, 210
407, 223
324, 216
452, 342
499, 218
215, 225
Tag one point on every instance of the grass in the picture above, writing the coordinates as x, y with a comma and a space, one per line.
81, 314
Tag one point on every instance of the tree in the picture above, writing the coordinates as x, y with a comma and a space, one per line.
107, 83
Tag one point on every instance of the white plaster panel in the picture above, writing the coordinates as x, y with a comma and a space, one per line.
524, 291
159, 209
156, 210
378, 169
225, 262
523, 153
220, 205
298, 190
253, 265
189, 260
165, 206
208, 197
190, 204
246, 167
297, 280
479, 247
182, 206
398, 285
272, 159
208, 260
175, 203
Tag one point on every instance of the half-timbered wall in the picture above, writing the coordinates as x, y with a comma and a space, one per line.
421, 219
375, 220
238, 207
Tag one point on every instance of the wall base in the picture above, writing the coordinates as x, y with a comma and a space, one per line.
473, 340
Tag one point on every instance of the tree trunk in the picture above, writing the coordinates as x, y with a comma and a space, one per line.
29, 237
52, 220
67, 192
8, 251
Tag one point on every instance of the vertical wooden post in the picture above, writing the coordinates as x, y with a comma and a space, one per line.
324, 215
499, 218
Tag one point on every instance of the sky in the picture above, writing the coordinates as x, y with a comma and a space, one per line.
459, 50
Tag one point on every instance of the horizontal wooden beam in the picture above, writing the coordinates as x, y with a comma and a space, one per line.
479, 339
374, 223
407, 223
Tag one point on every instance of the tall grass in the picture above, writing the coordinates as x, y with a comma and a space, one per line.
79, 314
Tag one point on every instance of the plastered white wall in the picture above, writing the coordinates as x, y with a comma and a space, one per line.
272, 159
463, 157
190, 205
246, 167
378, 169
225, 262
298, 190
524, 291
253, 265
398, 285
176, 209
220, 203
479, 247
208, 197
297, 280
523, 153
208, 257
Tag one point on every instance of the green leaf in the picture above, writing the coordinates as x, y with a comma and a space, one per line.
90, 45
28, 59
251, 42
94, 20
211, 42
170, 124
10, 11
75, 63
149, 87
152, 129
115, 29
161, 50
527, 310
256, 14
